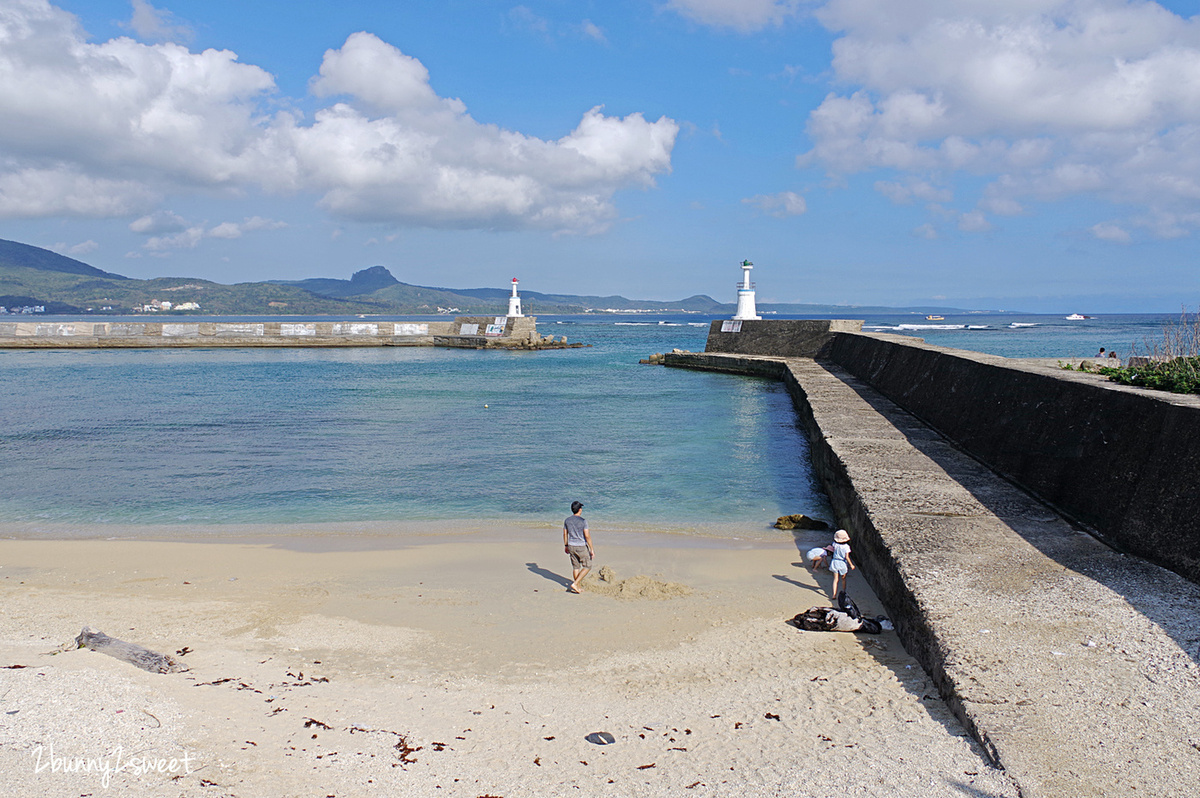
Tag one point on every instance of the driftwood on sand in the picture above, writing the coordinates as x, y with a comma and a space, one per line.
132, 653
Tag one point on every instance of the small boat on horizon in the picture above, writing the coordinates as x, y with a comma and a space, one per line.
1076, 317
935, 318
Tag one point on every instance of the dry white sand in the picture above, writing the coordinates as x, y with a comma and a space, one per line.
459, 667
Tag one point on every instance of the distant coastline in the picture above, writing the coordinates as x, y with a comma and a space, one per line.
32, 278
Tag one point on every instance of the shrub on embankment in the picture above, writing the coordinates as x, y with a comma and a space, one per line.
1173, 363
1181, 375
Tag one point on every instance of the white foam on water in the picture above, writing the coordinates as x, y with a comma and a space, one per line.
931, 326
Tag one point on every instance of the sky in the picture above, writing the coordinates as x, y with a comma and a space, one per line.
1038, 155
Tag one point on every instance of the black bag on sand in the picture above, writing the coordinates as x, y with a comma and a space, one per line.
846, 619
814, 619
870, 625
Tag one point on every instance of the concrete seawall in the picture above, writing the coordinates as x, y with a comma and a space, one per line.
1123, 461
779, 337
1073, 665
474, 332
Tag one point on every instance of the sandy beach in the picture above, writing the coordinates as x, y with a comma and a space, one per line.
459, 666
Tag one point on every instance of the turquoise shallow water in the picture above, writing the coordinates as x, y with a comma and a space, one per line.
182, 438
252, 436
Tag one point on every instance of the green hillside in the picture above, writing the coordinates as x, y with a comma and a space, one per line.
120, 295
14, 253
34, 276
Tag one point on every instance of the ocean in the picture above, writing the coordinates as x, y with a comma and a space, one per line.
187, 439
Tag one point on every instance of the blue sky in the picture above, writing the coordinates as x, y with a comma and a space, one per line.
1022, 154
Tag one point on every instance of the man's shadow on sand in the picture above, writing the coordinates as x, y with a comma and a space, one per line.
542, 572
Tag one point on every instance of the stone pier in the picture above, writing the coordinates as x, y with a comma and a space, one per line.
1075, 665
471, 332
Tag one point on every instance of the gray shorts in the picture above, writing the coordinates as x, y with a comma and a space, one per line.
838, 567
580, 556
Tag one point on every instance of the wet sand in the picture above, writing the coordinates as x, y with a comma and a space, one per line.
458, 667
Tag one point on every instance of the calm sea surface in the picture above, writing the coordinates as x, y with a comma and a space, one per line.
208, 437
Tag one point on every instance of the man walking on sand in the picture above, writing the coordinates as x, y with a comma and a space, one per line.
577, 542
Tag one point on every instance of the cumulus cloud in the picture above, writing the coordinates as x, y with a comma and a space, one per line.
781, 205
31, 192
740, 15
1107, 231
974, 222
158, 223
523, 18
591, 30
82, 248
157, 24
912, 189
112, 128
232, 230
168, 231
188, 238
1047, 98
1001, 206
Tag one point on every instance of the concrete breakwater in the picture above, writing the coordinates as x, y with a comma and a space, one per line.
472, 332
1122, 461
1073, 665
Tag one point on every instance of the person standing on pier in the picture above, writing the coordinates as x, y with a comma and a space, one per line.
577, 542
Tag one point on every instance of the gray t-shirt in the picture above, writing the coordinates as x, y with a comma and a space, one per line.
575, 526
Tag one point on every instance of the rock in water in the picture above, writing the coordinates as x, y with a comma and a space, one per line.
799, 521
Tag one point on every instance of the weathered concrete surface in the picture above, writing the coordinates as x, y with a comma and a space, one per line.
463, 332
1122, 460
999, 598
778, 337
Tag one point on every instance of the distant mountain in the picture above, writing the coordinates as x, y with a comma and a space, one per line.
363, 282
14, 253
34, 276
377, 285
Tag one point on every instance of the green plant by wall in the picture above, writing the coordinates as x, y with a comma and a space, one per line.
1181, 375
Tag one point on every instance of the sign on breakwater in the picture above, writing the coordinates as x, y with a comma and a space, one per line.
463, 332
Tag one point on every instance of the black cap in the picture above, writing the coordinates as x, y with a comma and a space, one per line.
576, 506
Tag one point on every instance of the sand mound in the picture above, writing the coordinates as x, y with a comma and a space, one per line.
606, 583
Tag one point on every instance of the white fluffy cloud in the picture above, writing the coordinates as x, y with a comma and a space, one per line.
1111, 232
249, 225
157, 24
158, 223
169, 231
1046, 98
31, 192
111, 128
82, 248
740, 15
400, 152
781, 205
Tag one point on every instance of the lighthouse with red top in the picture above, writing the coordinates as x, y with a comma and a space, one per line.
514, 302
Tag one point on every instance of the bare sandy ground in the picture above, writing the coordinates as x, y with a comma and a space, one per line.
459, 667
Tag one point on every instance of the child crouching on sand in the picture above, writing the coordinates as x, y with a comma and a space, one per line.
839, 562
819, 557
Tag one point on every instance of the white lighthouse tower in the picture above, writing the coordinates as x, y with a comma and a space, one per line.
745, 304
514, 302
